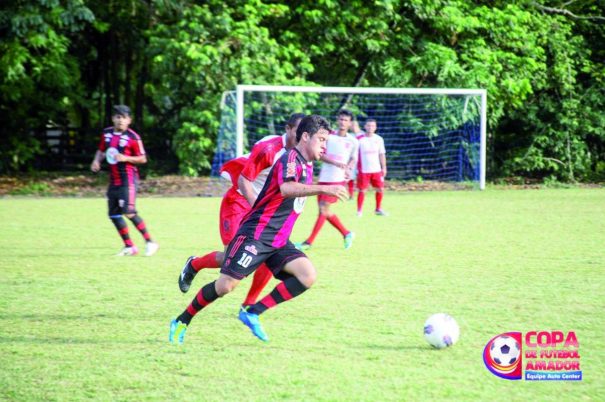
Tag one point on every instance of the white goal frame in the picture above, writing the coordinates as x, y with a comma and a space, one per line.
241, 89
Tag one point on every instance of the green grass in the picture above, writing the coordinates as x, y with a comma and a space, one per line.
78, 323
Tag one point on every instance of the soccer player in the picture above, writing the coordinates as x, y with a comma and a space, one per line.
338, 163
264, 233
372, 166
357, 133
123, 149
248, 175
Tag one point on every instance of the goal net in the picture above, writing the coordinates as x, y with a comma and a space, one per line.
429, 134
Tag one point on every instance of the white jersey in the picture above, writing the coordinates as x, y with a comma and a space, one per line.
370, 149
341, 149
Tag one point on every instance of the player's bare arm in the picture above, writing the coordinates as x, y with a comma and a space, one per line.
245, 186
135, 160
334, 162
292, 189
383, 164
353, 161
95, 166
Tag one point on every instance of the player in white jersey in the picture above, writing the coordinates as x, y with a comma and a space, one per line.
357, 133
338, 163
372, 166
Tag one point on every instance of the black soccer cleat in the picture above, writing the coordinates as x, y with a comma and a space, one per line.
186, 276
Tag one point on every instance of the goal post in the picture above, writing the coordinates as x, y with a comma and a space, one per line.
430, 134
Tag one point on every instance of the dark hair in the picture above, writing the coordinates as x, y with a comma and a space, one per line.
294, 119
345, 112
311, 124
121, 109
370, 120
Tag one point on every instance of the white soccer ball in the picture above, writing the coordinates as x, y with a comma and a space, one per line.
505, 350
441, 330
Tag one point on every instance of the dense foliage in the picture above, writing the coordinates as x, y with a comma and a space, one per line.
65, 62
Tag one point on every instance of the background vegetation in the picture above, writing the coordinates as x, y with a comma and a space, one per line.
65, 62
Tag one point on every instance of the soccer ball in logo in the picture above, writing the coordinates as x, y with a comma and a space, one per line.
504, 351
441, 330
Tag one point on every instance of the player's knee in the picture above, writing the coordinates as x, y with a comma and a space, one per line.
307, 277
130, 216
225, 285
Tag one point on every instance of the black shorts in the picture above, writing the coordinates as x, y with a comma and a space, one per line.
244, 255
121, 199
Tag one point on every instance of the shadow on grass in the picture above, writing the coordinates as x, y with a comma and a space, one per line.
55, 340
393, 347
58, 317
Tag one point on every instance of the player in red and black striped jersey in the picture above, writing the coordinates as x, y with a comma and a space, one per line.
248, 175
123, 150
263, 236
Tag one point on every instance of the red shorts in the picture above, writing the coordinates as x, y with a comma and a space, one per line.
365, 179
330, 199
233, 208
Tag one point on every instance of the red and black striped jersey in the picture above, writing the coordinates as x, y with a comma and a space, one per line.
272, 216
126, 143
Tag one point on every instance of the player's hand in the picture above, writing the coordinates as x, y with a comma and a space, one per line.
95, 166
348, 174
121, 158
337, 191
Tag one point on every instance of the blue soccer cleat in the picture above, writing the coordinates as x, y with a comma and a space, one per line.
177, 332
302, 246
252, 321
349, 240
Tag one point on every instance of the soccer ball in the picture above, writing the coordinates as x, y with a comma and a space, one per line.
441, 330
504, 351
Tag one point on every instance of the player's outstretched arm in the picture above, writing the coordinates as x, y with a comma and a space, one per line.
292, 189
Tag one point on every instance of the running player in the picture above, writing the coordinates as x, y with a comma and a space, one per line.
372, 166
338, 164
264, 233
248, 175
123, 149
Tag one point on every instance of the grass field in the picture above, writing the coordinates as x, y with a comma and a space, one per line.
78, 323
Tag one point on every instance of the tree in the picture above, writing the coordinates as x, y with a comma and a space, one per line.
38, 77
68, 61
208, 49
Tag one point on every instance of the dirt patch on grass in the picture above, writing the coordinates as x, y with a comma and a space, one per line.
95, 185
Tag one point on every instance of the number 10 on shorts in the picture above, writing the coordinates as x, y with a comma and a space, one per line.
245, 260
